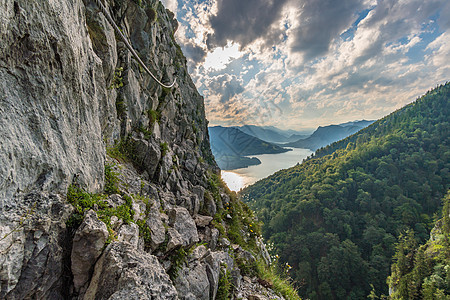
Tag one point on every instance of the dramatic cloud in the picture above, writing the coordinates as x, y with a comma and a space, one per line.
245, 21
303, 63
319, 23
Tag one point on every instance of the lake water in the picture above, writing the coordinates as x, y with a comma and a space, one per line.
270, 163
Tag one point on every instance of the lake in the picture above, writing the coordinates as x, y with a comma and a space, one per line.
270, 163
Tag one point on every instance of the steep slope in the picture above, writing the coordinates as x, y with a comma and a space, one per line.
327, 135
335, 218
421, 272
108, 186
229, 146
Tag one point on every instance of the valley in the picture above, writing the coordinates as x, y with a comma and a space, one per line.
336, 218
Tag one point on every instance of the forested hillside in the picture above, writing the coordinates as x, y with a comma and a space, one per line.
336, 218
423, 272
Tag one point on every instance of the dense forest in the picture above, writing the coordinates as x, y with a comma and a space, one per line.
337, 217
423, 272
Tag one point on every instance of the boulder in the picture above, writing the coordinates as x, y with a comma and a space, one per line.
32, 248
123, 272
182, 222
175, 239
202, 221
129, 233
156, 226
192, 281
88, 244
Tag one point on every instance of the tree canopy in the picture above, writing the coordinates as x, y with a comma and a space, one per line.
336, 218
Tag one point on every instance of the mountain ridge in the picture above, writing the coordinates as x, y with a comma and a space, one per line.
230, 146
326, 135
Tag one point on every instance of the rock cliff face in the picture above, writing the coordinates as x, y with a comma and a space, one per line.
75, 106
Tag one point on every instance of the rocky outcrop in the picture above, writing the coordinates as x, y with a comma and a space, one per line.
88, 245
33, 247
74, 103
125, 273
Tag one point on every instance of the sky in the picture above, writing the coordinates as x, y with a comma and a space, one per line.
300, 64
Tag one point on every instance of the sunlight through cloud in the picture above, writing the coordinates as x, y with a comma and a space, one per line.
221, 57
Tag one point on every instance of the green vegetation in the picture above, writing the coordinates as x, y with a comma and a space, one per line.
177, 258
336, 217
151, 14
277, 279
154, 116
121, 107
84, 201
121, 151
225, 287
236, 222
423, 272
117, 81
111, 180
164, 149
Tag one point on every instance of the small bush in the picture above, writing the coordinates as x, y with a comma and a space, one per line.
178, 258
121, 108
111, 180
164, 149
224, 288
121, 151
154, 116
117, 81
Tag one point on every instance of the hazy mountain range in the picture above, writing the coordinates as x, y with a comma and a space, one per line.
272, 134
327, 135
232, 145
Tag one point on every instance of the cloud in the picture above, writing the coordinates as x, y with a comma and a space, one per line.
444, 16
303, 63
195, 54
245, 21
319, 23
171, 5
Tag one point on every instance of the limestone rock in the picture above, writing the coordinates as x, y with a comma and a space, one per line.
181, 221
114, 200
146, 154
214, 238
210, 207
32, 254
202, 221
122, 272
214, 261
129, 233
87, 246
51, 126
175, 239
192, 282
157, 229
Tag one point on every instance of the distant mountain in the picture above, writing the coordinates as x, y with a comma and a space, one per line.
296, 137
326, 135
362, 123
289, 132
272, 134
230, 146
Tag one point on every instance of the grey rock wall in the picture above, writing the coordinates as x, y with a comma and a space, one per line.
70, 90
